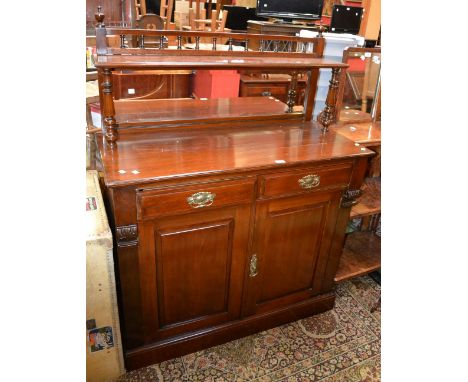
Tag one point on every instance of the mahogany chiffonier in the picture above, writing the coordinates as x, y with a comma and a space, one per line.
228, 214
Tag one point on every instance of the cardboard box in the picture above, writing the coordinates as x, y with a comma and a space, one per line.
104, 358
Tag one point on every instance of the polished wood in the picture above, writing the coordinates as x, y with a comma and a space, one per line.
174, 201
365, 133
151, 84
291, 235
361, 255
107, 103
192, 267
282, 184
232, 148
294, 62
328, 115
148, 178
149, 354
163, 111
224, 224
216, 60
275, 85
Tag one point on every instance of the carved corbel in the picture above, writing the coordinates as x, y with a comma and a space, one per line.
127, 235
349, 198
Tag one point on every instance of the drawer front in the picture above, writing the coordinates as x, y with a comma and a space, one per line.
182, 199
307, 180
277, 91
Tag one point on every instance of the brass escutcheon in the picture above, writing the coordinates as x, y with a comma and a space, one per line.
309, 181
201, 199
253, 266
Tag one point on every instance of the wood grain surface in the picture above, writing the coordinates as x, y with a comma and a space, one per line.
145, 157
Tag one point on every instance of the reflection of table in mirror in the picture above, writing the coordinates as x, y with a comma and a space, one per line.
359, 85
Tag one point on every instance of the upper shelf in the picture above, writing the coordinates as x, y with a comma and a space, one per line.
181, 61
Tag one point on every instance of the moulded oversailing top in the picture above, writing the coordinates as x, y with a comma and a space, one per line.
146, 157
175, 61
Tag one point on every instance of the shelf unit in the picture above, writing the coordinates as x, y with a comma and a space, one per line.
361, 251
361, 255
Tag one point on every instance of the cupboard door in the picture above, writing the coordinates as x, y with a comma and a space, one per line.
192, 269
290, 251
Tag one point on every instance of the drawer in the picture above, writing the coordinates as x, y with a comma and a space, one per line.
183, 199
278, 91
306, 180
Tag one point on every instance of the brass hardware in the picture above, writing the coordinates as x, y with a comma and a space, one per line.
253, 266
201, 199
309, 181
266, 93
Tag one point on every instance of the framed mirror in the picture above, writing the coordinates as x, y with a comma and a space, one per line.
359, 92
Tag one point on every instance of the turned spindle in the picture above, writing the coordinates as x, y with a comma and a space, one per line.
246, 45
108, 107
291, 101
197, 43
99, 16
321, 28
328, 115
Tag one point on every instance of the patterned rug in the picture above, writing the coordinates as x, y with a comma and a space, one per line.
340, 345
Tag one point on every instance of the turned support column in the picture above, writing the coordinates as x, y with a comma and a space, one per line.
291, 101
108, 111
328, 115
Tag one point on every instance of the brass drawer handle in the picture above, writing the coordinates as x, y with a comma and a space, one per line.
201, 199
309, 181
253, 266
266, 94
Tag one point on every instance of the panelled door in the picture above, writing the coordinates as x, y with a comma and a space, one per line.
292, 239
192, 258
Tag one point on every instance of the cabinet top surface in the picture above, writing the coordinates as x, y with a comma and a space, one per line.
152, 156
365, 133
168, 61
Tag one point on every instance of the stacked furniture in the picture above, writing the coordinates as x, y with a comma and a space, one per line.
229, 215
